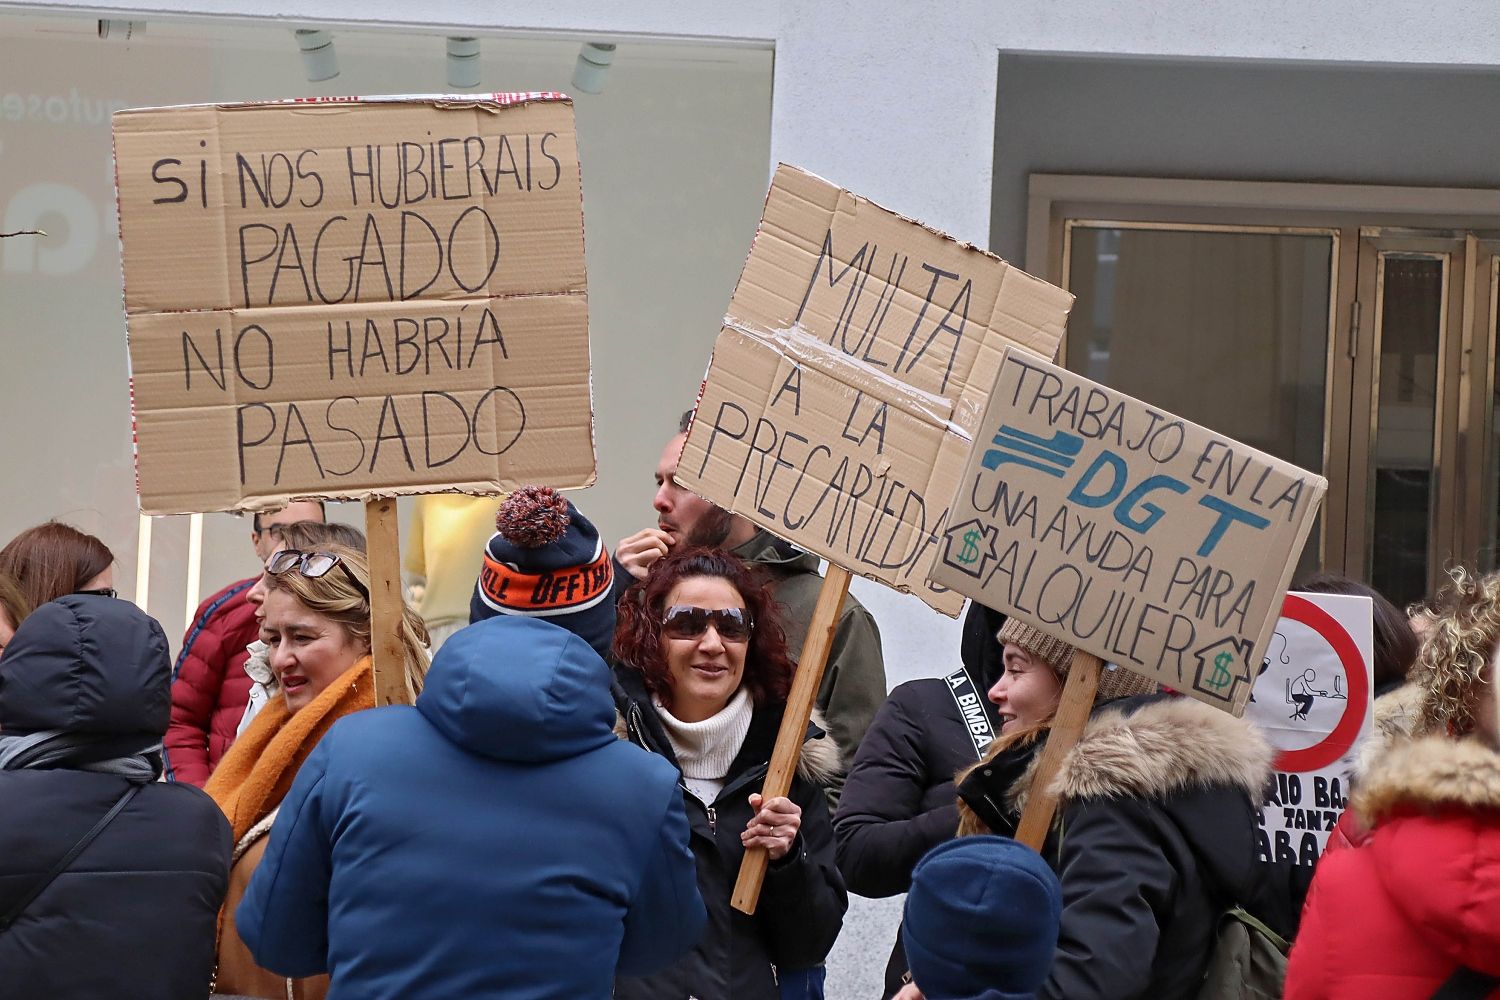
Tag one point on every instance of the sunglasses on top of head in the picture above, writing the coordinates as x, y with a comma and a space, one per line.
311, 565
682, 621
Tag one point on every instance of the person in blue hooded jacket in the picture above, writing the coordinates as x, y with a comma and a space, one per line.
494, 840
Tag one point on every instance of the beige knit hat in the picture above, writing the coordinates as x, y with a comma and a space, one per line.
1114, 681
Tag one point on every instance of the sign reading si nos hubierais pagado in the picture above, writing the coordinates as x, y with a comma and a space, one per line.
1137, 536
347, 298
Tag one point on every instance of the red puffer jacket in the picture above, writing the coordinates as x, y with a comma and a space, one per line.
1394, 917
209, 685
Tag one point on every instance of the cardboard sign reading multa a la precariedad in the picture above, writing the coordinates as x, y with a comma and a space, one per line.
1149, 541
346, 298
846, 385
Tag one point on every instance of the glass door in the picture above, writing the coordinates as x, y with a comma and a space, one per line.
1418, 380
1351, 331
1230, 327
1480, 448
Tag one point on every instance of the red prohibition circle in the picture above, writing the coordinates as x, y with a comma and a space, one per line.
1337, 743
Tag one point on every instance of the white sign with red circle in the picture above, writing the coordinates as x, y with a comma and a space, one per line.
1313, 702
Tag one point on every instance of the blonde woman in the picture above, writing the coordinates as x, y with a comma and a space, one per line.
1155, 829
317, 625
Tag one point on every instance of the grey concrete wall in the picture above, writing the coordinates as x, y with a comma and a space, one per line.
1236, 120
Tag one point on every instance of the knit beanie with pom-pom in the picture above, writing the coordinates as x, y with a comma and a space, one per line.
546, 561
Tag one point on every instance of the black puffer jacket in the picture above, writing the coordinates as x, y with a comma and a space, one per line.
899, 801
802, 902
1154, 838
133, 916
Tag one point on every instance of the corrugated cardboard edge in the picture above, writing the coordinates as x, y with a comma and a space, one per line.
914, 402
954, 429
1318, 486
135, 441
497, 102
270, 502
494, 103
784, 168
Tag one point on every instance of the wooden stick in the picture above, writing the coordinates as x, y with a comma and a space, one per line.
799, 705
1067, 726
383, 535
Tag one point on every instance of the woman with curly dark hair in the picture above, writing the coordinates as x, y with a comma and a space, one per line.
703, 681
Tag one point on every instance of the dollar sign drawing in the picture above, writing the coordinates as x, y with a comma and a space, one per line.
1221, 676
971, 547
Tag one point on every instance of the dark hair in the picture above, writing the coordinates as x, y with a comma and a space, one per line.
1396, 644
768, 668
255, 518
310, 534
53, 560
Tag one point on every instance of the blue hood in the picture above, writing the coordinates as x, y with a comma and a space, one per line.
519, 689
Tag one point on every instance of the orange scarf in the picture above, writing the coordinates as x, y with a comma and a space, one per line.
257, 772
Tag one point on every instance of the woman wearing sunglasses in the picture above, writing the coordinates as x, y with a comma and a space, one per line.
703, 682
317, 625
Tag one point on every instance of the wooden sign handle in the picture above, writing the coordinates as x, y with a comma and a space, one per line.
383, 536
799, 705
1067, 726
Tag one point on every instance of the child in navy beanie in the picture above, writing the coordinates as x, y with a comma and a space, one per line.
546, 561
981, 920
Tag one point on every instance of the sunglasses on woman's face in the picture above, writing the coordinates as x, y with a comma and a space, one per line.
312, 565
683, 621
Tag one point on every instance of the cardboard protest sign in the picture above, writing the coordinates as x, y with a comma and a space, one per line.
1314, 701
847, 382
348, 298
1146, 540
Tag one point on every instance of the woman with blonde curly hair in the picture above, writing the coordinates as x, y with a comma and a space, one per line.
1413, 910
317, 625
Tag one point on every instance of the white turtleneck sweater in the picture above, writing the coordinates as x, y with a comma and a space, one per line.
706, 749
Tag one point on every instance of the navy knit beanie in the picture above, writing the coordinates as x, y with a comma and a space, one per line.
546, 561
981, 920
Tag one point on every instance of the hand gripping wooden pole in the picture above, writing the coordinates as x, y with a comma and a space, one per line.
799, 705
1067, 726
383, 536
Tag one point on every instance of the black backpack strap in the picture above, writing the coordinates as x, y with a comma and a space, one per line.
67, 859
971, 704
1466, 984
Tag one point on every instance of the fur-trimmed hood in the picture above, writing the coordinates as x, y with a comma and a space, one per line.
1435, 849
1156, 747
1430, 775
1393, 722
821, 760
1163, 747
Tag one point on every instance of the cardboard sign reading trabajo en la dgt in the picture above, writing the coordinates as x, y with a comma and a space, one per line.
1146, 540
848, 379
349, 298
